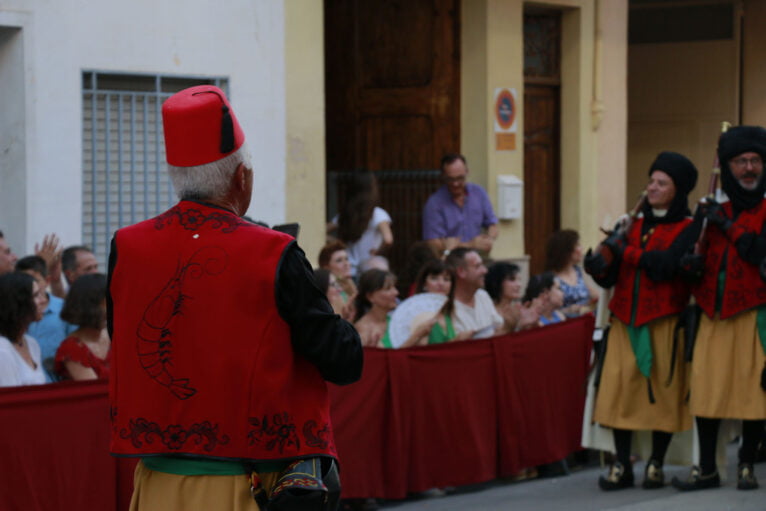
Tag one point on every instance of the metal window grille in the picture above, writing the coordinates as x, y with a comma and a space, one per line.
123, 161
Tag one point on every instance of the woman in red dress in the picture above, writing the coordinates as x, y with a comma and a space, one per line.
84, 354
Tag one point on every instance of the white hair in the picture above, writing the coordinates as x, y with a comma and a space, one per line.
208, 181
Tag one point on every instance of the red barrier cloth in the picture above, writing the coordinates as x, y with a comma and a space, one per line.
54, 448
541, 386
371, 435
462, 413
419, 418
448, 393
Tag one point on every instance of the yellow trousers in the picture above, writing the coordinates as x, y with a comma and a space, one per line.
159, 491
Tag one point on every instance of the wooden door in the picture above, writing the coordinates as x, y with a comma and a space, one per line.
392, 93
542, 180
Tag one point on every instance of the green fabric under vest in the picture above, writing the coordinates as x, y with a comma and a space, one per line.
183, 466
640, 338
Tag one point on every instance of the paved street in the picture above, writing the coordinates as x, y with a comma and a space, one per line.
579, 491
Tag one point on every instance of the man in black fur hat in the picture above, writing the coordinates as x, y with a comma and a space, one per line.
730, 350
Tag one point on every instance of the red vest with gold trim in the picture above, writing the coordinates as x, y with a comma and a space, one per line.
655, 299
202, 361
743, 289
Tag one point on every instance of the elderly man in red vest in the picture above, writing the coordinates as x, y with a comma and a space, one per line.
221, 341
727, 367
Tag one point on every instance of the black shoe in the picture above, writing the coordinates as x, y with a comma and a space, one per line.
653, 476
617, 478
746, 477
697, 481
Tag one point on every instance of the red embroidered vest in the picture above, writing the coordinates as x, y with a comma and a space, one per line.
202, 361
743, 288
655, 299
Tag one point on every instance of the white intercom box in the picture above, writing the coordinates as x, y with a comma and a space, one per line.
510, 197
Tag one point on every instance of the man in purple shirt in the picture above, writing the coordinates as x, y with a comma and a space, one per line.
458, 212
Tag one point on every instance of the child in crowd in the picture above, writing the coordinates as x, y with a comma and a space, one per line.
545, 296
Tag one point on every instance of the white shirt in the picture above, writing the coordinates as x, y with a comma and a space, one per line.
14, 370
482, 318
359, 251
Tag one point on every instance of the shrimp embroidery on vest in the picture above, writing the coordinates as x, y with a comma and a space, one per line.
155, 334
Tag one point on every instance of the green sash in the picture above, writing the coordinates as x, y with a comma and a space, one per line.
640, 338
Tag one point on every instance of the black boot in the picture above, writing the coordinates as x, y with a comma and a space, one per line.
746, 477
697, 481
619, 477
653, 475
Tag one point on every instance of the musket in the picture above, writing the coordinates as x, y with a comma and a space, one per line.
711, 190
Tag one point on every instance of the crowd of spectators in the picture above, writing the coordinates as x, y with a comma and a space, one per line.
484, 298
52, 315
459, 232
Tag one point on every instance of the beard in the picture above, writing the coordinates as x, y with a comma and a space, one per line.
752, 185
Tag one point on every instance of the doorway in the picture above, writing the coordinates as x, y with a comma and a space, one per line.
542, 120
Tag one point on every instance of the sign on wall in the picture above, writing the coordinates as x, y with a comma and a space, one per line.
505, 119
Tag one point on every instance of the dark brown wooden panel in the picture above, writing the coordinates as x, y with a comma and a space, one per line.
541, 170
396, 142
395, 54
392, 86
542, 179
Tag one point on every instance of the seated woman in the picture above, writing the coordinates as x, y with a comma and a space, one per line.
83, 355
21, 302
545, 296
374, 302
330, 287
503, 284
436, 277
564, 258
333, 257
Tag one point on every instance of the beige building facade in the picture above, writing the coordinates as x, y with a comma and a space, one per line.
593, 110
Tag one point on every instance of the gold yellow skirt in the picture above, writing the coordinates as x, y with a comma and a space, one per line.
159, 491
726, 369
623, 398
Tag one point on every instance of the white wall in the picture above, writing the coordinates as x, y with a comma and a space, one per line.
12, 134
243, 41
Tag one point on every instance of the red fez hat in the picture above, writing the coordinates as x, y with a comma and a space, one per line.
199, 127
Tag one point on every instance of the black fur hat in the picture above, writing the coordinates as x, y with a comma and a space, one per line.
738, 140
680, 169
741, 139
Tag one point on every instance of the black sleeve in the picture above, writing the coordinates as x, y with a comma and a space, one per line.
324, 338
665, 264
751, 246
110, 271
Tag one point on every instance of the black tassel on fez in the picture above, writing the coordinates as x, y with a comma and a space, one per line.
227, 131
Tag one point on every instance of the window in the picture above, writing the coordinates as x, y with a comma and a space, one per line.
124, 171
